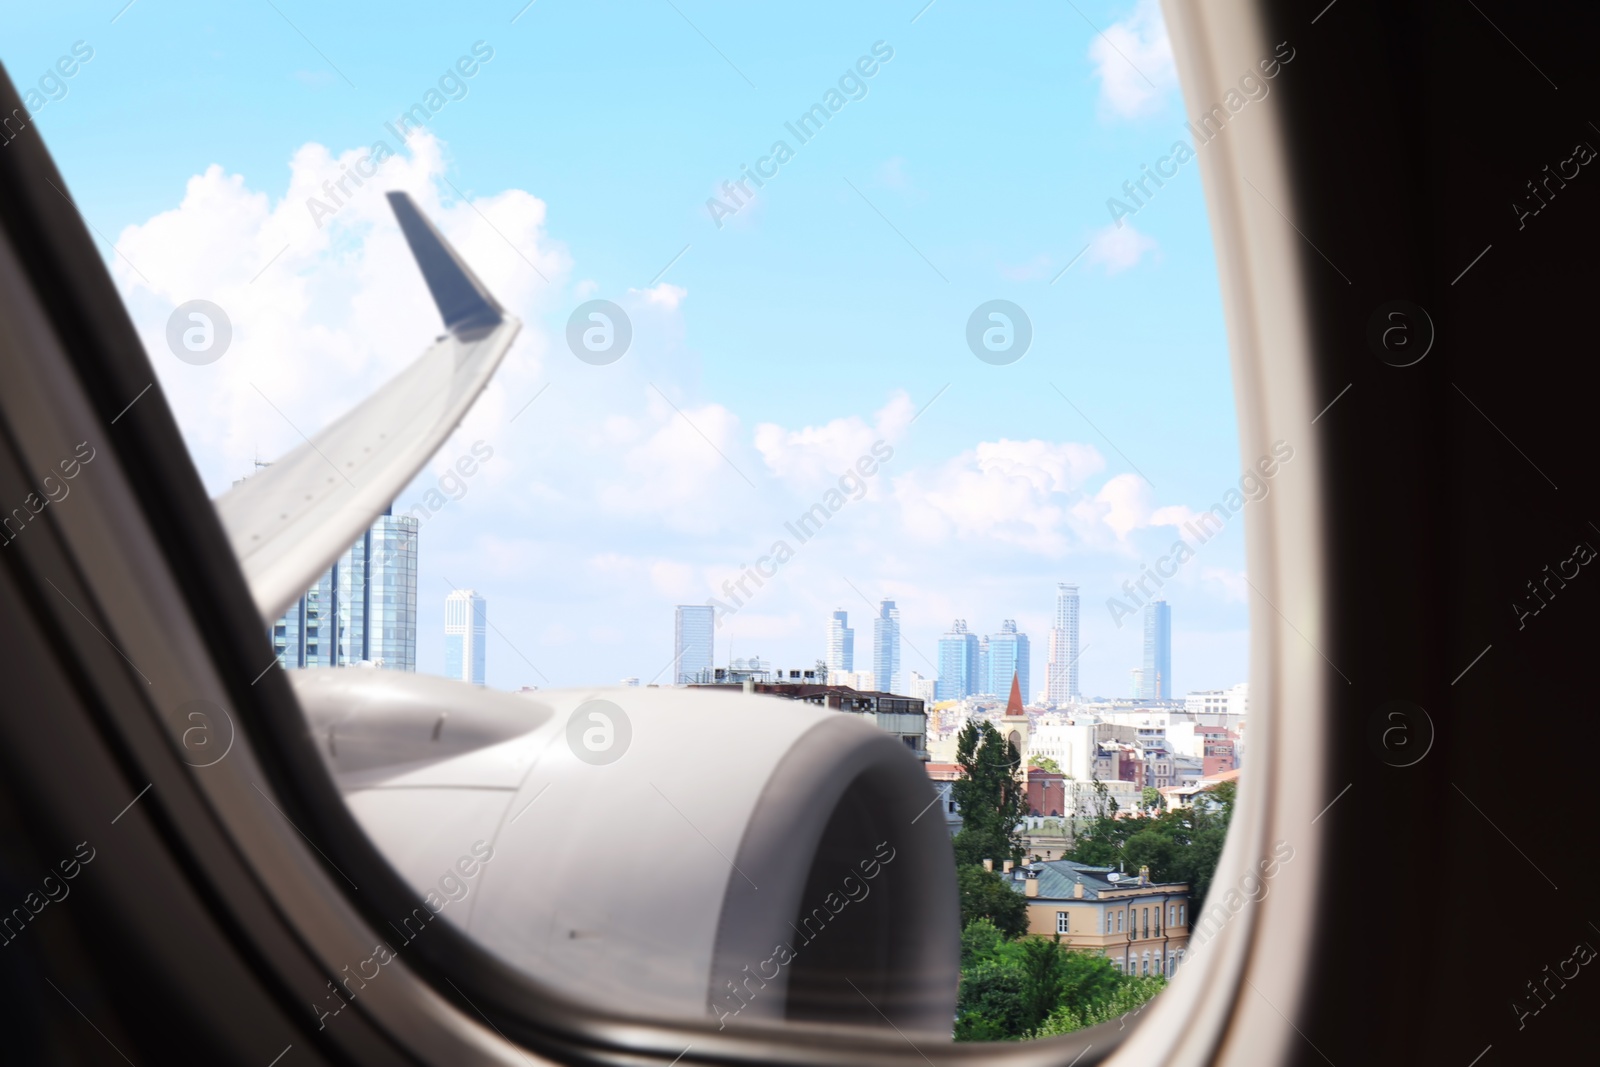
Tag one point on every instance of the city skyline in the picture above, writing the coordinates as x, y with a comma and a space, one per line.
970, 664
653, 481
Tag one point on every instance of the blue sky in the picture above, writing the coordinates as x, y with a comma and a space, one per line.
816, 320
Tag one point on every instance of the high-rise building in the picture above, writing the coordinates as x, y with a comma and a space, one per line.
841, 642
981, 683
924, 689
1008, 658
1062, 683
958, 663
466, 636
886, 648
1156, 682
363, 609
693, 642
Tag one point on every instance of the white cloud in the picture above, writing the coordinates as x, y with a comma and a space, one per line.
1118, 248
1020, 492
665, 295
322, 315
1133, 60
812, 456
1126, 503
685, 473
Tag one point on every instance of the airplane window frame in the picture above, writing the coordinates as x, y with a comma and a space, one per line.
87, 363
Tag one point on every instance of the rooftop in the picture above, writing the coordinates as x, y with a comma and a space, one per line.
1057, 879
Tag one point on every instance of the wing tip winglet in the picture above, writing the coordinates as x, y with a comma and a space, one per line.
464, 303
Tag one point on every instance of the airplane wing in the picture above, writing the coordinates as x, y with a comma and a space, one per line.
290, 521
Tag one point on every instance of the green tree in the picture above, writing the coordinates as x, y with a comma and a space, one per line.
985, 895
1129, 996
1044, 763
1181, 845
980, 940
989, 795
1044, 972
1151, 799
990, 1004
1013, 989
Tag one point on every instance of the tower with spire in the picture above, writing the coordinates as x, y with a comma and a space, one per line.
1014, 724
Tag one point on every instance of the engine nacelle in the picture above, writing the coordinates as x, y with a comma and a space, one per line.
673, 852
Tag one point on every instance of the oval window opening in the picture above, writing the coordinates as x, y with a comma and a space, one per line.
752, 511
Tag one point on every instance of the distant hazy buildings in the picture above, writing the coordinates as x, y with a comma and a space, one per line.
1008, 658
1062, 682
1218, 702
924, 689
859, 680
841, 643
466, 633
886, 647
958, 663
363, 609
1156, 681
693, 633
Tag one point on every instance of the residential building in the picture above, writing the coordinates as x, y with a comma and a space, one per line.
1140, 925
1061, 686
363, 609
886, 647
1058, 795
738, 671
924, 689
1156, 682
943, 775
865, 681
1210, 705
905, 717
466, 636
1217, 755
841, 642
1075, 747
958, 663
1183, 796
1008, 659
693, 641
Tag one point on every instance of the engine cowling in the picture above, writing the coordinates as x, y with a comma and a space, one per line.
669, 852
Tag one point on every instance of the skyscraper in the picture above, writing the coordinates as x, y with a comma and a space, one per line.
693, 642
363, 609
841, 642
958, 663
466, 626
1062, 684
1156, 682
1008, 657
886, 648
980, 683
